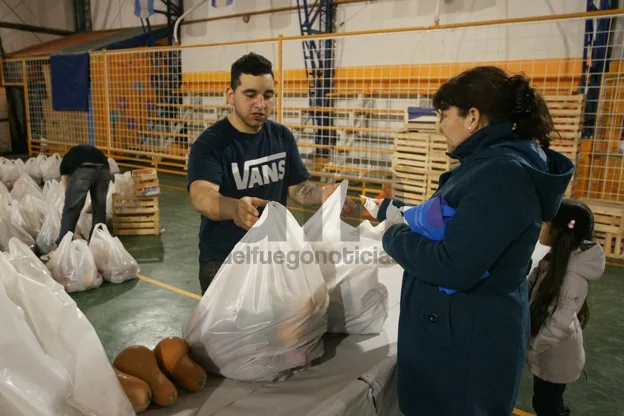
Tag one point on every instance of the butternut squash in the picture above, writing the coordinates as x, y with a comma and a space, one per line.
139, 361
174, 359
137, 390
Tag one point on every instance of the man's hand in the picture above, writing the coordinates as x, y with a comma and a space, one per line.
89, 209
349, 206
246, 211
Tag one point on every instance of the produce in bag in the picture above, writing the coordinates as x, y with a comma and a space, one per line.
72, 265
27, 263
54, 195
349, 260
111, 258
9, 230
49, 232
262, 322
51, 168
10, 171
28, 214
25, 185
63, 333
33, 168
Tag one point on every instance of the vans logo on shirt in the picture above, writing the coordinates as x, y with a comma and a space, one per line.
261, 171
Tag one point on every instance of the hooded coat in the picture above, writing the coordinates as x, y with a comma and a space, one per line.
464, 353
556, 354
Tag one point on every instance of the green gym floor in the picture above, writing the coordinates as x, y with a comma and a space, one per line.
144, 311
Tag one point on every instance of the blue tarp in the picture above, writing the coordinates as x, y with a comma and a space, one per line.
70, 82
70, 68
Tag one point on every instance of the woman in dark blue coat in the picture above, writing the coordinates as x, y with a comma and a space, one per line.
463, 353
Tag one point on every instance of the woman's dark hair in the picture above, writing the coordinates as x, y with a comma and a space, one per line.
251, 64
498, 97
564, 240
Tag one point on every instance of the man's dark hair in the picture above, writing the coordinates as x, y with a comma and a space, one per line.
251, 64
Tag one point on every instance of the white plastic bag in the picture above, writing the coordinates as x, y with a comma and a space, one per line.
33, 168
72, 265
111, 258
124, 184
49, 231
10, 172
51, 168
349, 259
76, 377
32, 383
262, 321
9, 230
113, 167
54, 195
85, 221
28, 214
3, 189
109, 201
25, 185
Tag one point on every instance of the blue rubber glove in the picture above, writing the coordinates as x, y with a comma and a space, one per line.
430, 220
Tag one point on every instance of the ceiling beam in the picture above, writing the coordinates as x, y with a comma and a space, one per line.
36, 29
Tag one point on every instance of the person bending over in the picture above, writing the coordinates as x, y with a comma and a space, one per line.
84, 170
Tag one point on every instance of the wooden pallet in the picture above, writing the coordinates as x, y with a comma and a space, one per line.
136, 215
566, 147
421, 119
567, 114
608, 226
146, 182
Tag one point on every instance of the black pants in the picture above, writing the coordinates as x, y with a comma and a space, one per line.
207, 272
92, 179
548, 398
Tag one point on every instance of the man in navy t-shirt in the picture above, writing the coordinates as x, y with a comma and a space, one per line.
242, 162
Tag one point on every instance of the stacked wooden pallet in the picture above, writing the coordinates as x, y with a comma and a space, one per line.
419, 160
608, 226
138, 214
567, 114
421, 119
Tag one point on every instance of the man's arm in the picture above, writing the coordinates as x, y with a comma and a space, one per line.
207, 200
308, 193
64, 181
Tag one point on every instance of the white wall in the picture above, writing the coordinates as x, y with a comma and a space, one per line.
56, 14
521, 41
116, 14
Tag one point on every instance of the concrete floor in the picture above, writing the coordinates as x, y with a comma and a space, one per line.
144, 311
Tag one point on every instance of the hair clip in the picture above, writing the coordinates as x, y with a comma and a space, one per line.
571, 224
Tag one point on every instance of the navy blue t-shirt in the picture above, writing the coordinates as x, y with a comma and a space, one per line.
261, 165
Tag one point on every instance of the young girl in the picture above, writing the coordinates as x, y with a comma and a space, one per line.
558, 289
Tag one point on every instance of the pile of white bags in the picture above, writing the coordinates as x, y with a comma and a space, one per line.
111, 258
262, 322
51, 168
73, 265
52, 360
10, 171
8, 229
349, 259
